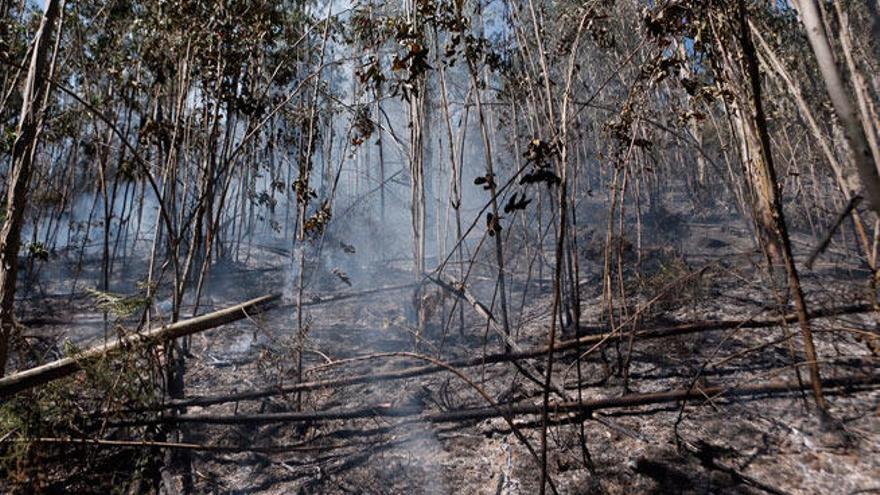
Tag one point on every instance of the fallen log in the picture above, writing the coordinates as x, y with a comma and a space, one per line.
509, 410
54, 370
588, 340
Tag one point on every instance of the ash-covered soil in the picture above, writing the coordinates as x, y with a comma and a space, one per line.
775, 444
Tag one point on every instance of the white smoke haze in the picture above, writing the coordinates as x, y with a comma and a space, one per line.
637, 251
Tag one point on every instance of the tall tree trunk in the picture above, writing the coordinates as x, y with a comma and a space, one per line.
758, 139
862, 177
35, 91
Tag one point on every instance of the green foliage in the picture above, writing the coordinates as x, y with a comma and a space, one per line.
119, 305
76, 407
38, 251
7, 139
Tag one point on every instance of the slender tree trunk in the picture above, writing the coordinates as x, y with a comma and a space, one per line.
36, 88
862, 177
763, 161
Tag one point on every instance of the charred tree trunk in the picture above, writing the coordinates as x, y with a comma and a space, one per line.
771, 217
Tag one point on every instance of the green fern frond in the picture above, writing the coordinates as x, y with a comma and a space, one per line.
120, 305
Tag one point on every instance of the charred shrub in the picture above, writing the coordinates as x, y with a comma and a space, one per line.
669, 283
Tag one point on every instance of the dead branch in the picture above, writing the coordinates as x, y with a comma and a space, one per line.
460, 291
528, 370
589, 340
147, 444
54, 370
386, 410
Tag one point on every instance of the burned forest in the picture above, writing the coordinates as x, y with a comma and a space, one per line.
440, 246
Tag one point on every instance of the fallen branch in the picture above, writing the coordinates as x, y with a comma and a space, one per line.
168, 445
510, 410
460, 290
589, 340
527, 369
54, 370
